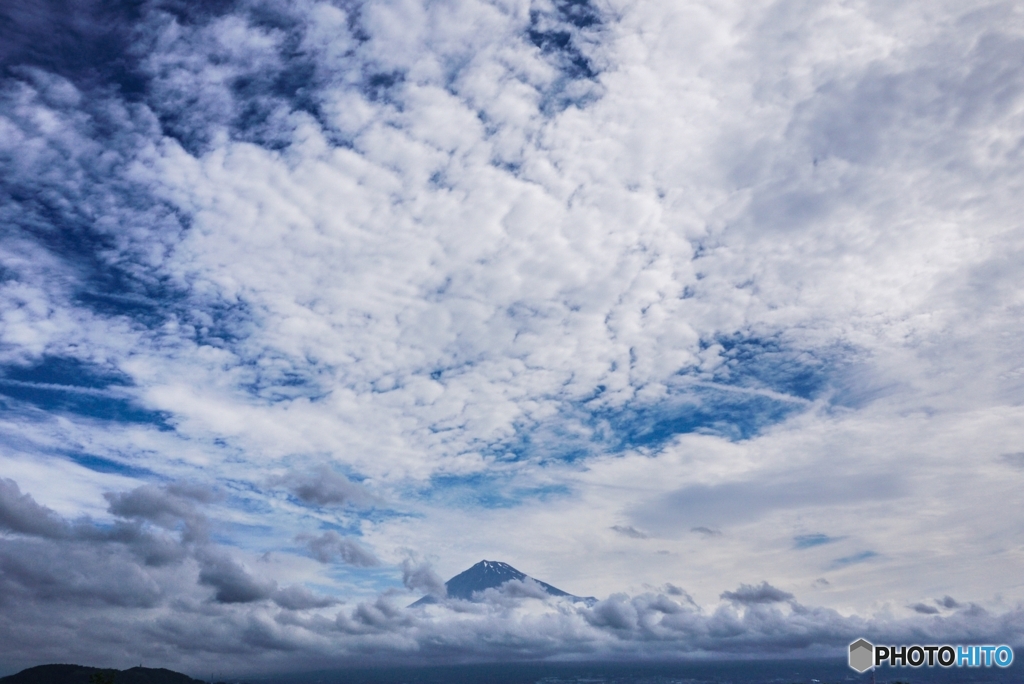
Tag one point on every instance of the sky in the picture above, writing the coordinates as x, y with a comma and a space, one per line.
708, 309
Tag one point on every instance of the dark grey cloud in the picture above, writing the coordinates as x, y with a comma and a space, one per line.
152, 547
162, 525
948, 602
629, 531
616, 612
299, 598
322, 486
231, 582
194, 491
85, 563
380, 616
20, 513
924, 609
420, 576
74, 574
706, 531
51, 587
763, 593
330, 547
1015, 459
168, 507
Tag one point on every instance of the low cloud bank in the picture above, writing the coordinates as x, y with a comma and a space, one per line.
153, 585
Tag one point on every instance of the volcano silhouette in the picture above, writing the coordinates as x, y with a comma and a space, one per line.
487, 574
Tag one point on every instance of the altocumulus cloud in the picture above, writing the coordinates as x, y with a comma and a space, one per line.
305, 306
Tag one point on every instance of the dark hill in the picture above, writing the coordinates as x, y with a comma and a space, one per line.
490, 575
80, 674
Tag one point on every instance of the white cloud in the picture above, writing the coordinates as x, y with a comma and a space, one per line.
475, 279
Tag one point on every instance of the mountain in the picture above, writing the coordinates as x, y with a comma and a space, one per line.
491, 575
80, 674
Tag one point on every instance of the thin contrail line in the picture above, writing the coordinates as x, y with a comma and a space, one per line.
77, 389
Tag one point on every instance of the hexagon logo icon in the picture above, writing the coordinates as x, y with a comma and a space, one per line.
862, 655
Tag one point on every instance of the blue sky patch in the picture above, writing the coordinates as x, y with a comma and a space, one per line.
488, 491
69, 385
704, 410
806, 541
762, 384
109, 466
854, 559
561, 34
768, 363
66, 372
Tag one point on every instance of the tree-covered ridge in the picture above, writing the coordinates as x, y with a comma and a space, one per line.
80, 674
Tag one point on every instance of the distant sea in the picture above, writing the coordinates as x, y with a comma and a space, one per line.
743, 672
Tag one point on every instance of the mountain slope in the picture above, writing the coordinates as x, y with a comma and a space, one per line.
491, 575
80, 674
